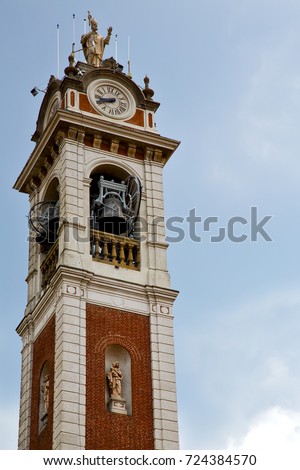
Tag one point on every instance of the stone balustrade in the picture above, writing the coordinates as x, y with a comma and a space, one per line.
48, 266
115, 249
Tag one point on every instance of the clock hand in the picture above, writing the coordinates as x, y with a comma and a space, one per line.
106, 100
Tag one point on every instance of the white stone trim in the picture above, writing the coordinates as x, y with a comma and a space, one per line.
26, 391
163, 382
70, 368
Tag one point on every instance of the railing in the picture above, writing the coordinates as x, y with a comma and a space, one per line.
115, 250
48, 266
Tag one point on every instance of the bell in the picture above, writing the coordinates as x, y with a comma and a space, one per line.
48, 232
111, 218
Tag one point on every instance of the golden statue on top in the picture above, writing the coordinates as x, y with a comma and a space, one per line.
93, 44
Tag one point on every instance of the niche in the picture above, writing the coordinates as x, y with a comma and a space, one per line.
44, 396
118, 393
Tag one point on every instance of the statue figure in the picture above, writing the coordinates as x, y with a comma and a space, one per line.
45, 391
93, 44
114, 378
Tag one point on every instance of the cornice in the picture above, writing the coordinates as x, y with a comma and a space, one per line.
88, 280
75, 126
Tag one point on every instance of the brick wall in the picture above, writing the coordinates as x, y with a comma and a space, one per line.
105, 430
43, 350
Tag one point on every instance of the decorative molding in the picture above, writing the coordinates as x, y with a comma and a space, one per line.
97, 141
76, 291
152, 146
81, 136
60, 136
114, 145
148, 153
131, 150
123, 341
160, 309
158, 155
72, 133
118, 301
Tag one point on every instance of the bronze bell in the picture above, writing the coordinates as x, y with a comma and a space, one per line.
111, 218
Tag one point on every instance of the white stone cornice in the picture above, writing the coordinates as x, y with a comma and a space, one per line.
158, 294
64, 119
134, 295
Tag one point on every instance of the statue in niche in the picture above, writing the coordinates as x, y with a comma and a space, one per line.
45, 392
115, 378
93, 44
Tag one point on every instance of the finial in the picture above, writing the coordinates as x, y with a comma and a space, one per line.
71, 70
72, 56
129, 74
148, 92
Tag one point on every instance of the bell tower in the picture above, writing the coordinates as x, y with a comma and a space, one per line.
98, 356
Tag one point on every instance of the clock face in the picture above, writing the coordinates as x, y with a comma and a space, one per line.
52, 108
111, 100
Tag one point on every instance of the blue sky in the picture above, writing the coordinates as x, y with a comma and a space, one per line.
227, 75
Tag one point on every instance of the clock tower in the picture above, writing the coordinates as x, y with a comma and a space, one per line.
98, 355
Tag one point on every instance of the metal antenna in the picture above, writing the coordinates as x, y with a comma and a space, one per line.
116, 48
128, 62
74, 34
57, 50
74, 28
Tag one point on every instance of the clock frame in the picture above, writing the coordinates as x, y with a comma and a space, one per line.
52, 108
111, 99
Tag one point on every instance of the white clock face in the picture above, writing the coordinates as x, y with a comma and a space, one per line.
112, 100
52, 108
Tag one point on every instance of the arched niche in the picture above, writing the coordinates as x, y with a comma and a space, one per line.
116, 353
44, 396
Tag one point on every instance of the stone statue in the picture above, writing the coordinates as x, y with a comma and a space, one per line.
45, 391
93, 44
114, 378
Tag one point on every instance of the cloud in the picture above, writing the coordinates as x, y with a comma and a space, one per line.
274, 428
243, 360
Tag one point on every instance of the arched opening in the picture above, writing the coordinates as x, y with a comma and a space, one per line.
44, 217
44, 222
52, 192
115, 197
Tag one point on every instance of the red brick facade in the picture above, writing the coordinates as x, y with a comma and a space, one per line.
43, 350
106, 430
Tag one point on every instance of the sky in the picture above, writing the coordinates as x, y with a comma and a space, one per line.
227, 75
